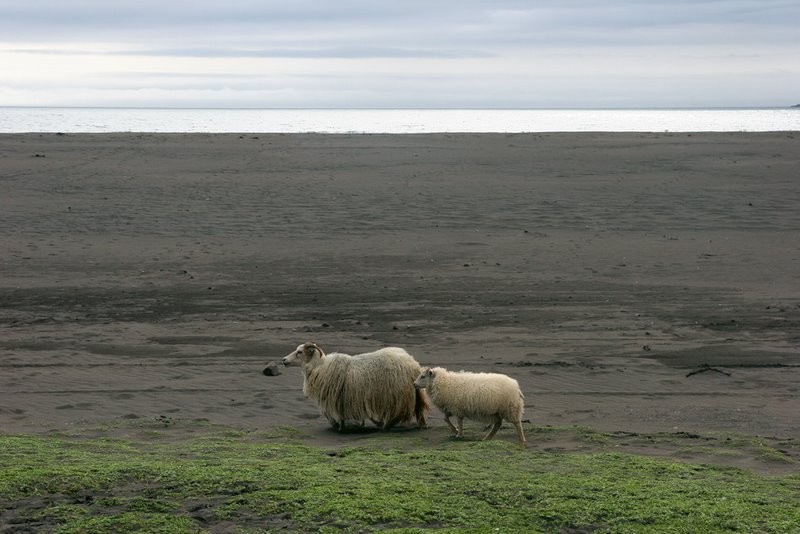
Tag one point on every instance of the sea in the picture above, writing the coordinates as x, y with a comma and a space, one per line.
394, 121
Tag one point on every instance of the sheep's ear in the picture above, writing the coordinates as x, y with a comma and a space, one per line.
430, 373
309, 349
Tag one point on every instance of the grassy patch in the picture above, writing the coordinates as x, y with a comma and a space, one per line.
268, 481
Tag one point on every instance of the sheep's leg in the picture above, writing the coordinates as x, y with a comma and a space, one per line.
420, 406
520, 433
390, 423
447, 420
495, 428
460, 427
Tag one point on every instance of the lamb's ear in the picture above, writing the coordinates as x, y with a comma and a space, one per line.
430, 372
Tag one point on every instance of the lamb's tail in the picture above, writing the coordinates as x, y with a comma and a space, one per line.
421, 406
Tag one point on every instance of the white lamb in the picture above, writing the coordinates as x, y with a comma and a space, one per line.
487, 397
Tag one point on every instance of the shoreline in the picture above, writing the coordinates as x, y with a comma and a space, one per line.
398, 121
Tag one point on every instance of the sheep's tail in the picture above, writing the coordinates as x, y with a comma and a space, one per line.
421, 406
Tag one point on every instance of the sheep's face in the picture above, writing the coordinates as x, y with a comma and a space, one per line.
424, 379
303, 354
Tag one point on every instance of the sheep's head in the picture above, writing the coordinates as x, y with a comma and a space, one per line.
304, 353
425, 378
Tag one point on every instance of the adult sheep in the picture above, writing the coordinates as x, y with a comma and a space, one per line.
378, 386
487, 397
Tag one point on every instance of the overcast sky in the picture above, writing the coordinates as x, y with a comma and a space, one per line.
371, 53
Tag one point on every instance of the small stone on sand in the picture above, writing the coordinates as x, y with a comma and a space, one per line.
272, 369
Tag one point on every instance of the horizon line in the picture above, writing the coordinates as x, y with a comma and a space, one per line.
407, 108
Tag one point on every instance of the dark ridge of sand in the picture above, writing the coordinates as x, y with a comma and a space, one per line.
146, 276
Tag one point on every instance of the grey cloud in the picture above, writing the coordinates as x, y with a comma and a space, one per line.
392, 25
491, 52
335, 52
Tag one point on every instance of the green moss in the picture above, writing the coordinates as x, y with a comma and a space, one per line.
257, 482
592, 436
133, 522
768, 451
60, 513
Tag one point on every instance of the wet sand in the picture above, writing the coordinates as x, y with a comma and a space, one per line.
153, 276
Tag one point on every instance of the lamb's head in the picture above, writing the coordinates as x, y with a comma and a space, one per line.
304, 354
425, 378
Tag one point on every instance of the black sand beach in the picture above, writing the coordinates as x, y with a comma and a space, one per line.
638, 283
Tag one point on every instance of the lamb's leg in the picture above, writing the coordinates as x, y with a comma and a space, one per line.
520, 433
460, 426
495, 428
447, 420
